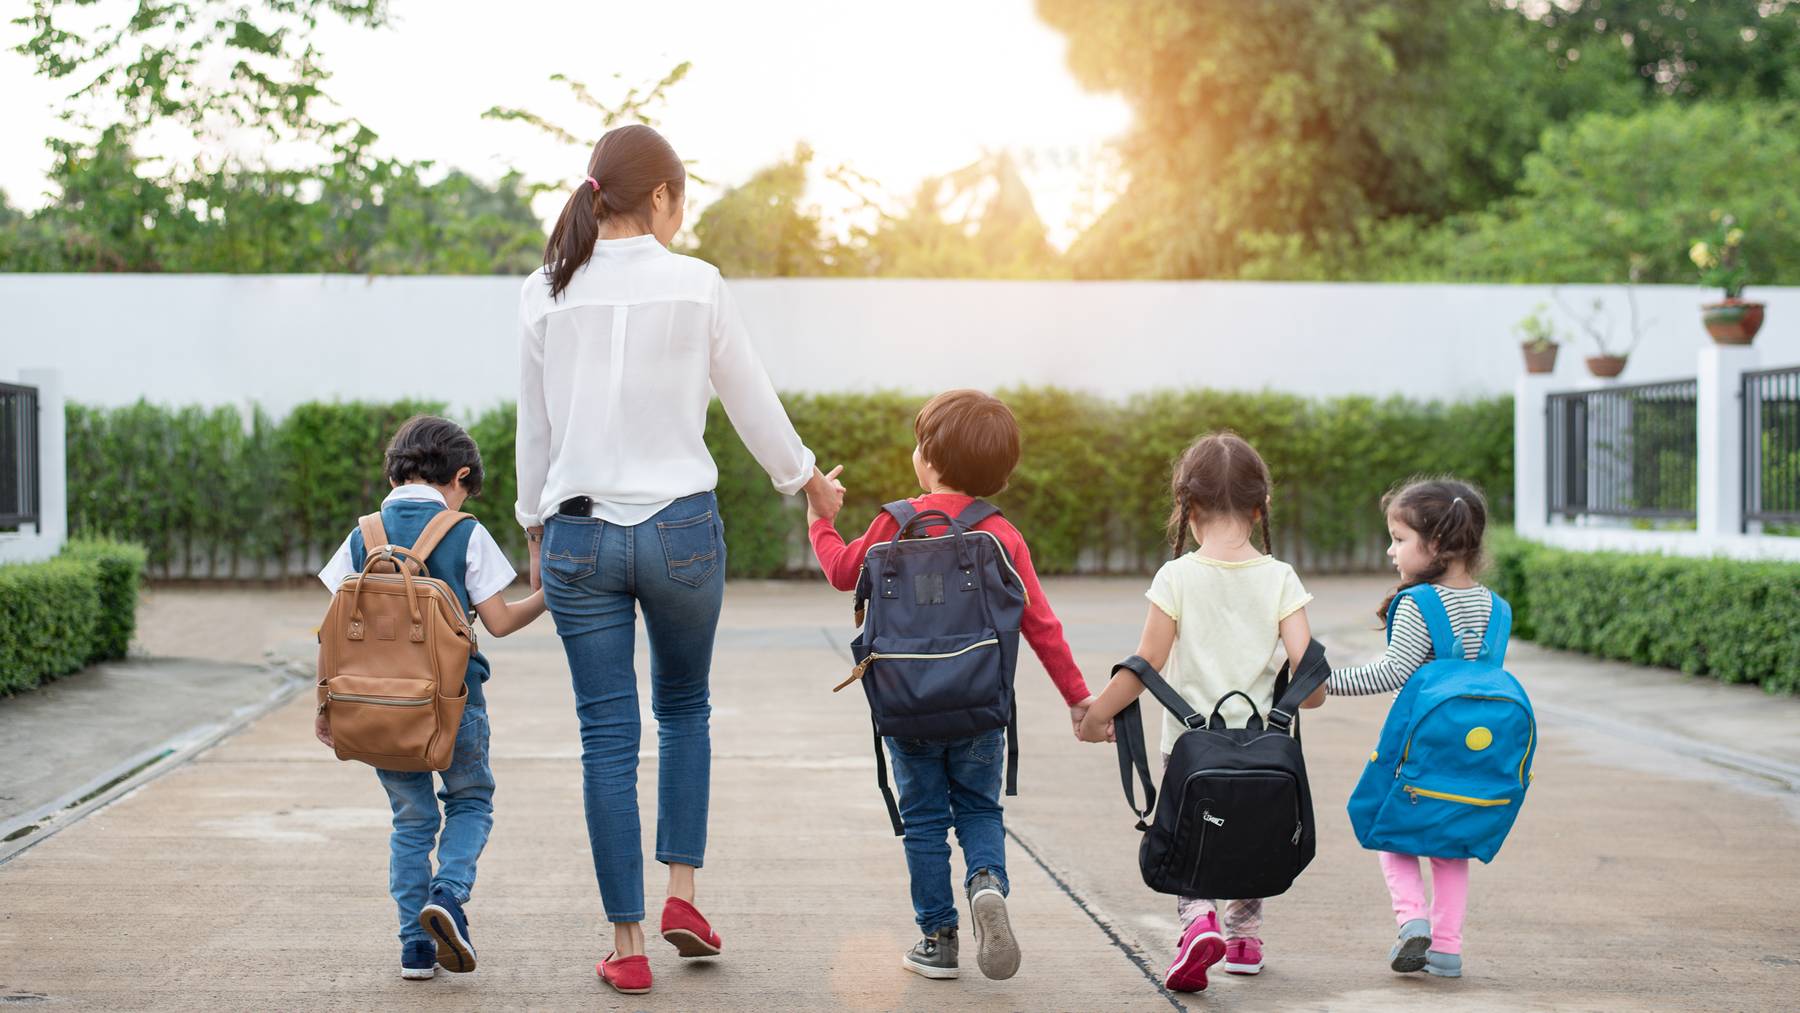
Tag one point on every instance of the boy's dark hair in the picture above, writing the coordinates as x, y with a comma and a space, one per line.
971, 438
1220, 475
1450, 514
434, 449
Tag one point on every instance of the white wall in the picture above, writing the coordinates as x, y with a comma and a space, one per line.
283, 339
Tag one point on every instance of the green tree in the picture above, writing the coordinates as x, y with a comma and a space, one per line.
1694, 49
763, 229
976, 222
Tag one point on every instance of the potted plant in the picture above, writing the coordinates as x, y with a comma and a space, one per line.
1537, 335
1598, 326
1720, 258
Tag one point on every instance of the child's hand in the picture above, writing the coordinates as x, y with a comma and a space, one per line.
1090, 730
824, 499
1079, 711
322, 729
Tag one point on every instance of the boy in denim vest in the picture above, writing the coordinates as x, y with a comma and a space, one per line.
434, 465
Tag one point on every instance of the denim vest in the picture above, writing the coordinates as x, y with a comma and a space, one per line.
405, 521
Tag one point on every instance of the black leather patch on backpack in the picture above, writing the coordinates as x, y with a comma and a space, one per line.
928, 589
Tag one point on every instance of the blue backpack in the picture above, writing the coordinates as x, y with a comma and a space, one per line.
1451, 769
940, 634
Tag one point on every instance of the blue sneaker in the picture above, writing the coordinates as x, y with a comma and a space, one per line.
444, 919
1443, 965
1408, 954
418, 960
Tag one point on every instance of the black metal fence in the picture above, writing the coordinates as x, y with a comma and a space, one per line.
18, 455
1624, 451
1772, 446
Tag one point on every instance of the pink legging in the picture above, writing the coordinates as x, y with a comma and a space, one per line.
1449, 895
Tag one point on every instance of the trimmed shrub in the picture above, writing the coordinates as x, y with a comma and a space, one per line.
49, 612
120, 570
1736, 621
211, 493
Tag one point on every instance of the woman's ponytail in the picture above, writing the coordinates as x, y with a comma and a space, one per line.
626, 167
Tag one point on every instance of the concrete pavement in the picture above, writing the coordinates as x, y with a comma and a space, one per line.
1647, 872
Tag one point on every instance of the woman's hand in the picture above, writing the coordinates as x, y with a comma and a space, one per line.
534, 541
824, 496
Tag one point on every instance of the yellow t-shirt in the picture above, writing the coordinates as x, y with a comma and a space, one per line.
1227, 632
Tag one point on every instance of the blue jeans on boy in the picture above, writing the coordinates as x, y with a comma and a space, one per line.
595, 577
944, 784
468, 815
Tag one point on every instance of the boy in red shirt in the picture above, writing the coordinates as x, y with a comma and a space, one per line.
968, 445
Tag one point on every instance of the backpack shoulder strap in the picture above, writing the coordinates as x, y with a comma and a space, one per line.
976, 512
901, 511
1499, 631
435, 530
374, 536
1165, 694
1437, 621
1311, 675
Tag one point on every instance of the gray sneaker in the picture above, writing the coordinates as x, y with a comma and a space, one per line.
1444, 965
996, 951
933, 956
1408, 954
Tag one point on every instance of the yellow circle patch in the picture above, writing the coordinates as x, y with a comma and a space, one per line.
1375, 756
1478, 739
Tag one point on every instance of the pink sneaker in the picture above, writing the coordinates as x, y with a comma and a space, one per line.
1243, 956
1201, 947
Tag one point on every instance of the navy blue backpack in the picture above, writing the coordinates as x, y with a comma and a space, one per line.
1450, 772
940, 634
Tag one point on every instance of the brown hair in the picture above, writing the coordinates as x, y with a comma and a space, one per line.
629, 164
433, 449
1450, 514
971, 438
1221, 474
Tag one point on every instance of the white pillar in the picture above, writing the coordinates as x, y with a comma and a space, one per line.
1719, 424
1530, 465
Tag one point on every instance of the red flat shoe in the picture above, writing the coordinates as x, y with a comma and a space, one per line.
684, 926
629, 975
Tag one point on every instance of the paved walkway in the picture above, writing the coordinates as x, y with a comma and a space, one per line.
1653, 868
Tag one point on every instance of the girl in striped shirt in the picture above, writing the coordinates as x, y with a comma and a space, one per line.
1436, 526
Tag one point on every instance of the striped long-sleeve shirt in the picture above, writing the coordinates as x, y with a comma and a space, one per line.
1409, 644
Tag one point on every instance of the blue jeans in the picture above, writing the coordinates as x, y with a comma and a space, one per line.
944, 784
595, 577
468, 815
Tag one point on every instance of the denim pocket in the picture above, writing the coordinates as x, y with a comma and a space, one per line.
691, 548
571, 548
985, 748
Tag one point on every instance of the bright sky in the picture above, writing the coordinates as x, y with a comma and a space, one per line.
898, 91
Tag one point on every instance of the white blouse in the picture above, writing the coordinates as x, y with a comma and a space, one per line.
614, 379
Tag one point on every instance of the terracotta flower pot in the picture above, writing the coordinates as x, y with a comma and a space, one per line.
1540, 360
1606, 366
1732, 322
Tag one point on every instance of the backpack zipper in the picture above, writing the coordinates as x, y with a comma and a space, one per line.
1416, 791
385, 701
862, 666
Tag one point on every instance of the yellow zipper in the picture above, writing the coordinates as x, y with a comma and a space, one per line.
386, 701
863, 666
1415, 792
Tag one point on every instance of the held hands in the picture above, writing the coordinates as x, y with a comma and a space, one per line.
534, 541
824, 496
1088, 727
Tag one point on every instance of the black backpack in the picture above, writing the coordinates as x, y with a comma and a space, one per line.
940, 634
1235, 818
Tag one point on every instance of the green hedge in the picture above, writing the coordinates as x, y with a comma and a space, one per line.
62, 614
1736, 621
121, 572
215, 492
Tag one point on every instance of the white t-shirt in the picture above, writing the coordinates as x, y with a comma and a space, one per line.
486, 571
1227, 632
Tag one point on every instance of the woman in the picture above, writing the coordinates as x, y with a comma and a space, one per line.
620, 340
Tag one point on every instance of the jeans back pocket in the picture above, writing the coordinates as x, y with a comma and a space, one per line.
571, 548
690, 548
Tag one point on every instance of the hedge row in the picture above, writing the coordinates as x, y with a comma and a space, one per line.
62, 614
1736, 621
215, 492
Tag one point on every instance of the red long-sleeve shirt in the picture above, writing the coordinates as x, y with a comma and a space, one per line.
1043, 631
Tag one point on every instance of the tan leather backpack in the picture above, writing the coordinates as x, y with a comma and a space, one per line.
393, 650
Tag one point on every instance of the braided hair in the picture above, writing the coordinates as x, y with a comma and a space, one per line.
1220, 475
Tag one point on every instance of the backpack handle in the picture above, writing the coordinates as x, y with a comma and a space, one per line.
924, 519
1217, 720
